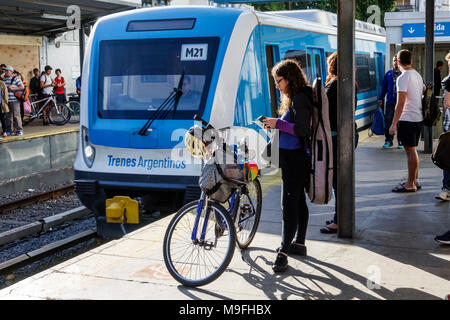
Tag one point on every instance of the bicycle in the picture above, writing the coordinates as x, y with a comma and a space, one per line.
74, 106
57, 114
200, 240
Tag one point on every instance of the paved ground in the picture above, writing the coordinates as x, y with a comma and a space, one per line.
393, 255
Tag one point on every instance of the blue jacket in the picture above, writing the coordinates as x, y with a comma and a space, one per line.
389, 87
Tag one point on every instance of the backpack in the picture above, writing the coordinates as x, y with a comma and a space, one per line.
441, 155
378, 125
22, 95
430, 108
321, 152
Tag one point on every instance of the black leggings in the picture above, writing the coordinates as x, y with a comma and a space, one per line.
3, 117
293, 201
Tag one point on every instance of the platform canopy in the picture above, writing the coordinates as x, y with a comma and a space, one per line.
49, 17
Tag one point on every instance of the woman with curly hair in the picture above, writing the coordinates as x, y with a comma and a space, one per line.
294, 125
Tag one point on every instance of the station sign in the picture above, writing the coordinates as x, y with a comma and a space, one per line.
415, 32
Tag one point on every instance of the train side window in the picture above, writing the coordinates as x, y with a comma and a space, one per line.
302, 58
373, 74
362, 72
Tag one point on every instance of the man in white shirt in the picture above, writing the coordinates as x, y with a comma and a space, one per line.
408, 116
47, 85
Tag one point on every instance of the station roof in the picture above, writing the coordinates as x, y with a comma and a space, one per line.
49, 17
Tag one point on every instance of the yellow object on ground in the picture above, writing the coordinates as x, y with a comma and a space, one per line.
121, 209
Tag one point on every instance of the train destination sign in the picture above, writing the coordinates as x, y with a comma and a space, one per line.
415, 32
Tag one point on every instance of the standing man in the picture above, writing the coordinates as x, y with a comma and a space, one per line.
408, 116
47, 85
389, 89
35, 83
445, 192
15, 120
437, 78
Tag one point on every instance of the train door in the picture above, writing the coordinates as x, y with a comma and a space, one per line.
379, 67
316, 59
272, 57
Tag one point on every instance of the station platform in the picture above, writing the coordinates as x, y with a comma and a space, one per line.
43, 154
393, 254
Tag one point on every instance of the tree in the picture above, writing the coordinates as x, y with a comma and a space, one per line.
331, 6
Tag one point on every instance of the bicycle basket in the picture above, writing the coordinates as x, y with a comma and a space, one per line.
215, 180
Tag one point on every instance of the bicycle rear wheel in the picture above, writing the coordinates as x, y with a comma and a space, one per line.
59, 114
198, 262
74, 107
250, 213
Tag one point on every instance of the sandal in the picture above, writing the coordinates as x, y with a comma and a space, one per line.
418, 186
401, 189
328, 230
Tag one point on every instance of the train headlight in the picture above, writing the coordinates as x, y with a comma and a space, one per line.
88, 149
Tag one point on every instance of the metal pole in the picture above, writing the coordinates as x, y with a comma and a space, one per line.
346, 119
81, 45
429, 63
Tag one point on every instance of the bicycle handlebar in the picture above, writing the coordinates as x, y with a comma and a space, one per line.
206, 124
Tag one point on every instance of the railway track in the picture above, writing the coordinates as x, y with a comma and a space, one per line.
40, 227
39, 236
19, 203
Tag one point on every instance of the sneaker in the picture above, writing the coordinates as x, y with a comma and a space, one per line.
281, 263
443, 195
445, 238
19, 133
4, 135
387, 144
9, 133
296, 249
400, 147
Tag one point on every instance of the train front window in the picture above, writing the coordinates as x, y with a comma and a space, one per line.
137, 76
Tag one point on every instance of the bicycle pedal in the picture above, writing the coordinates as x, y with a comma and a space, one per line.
208, 245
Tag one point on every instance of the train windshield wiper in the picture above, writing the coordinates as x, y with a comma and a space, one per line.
165, 107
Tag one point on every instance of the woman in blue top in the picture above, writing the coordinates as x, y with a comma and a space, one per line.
294, 126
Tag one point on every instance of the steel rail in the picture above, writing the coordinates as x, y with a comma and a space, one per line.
19, 203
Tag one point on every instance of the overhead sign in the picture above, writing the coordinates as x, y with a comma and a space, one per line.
415, 32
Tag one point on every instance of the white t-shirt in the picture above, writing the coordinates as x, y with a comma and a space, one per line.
411, 82
47, 80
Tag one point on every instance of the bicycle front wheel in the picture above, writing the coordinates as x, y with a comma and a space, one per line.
74, 107
199, 243
59, 114
249, 214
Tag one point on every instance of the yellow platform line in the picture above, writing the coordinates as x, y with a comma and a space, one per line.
27, 136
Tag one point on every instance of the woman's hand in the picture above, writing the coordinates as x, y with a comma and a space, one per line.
270, 123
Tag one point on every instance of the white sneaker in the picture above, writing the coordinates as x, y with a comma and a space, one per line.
443, 195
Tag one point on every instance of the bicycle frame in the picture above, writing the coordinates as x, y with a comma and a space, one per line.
233, 211
36, 114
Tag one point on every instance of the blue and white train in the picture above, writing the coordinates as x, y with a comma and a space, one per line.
135, 59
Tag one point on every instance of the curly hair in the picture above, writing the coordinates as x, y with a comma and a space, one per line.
332, 67
291, 71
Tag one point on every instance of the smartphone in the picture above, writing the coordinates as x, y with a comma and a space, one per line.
261, 118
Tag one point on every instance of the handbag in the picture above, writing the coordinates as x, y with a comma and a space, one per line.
377, 127
27, 106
